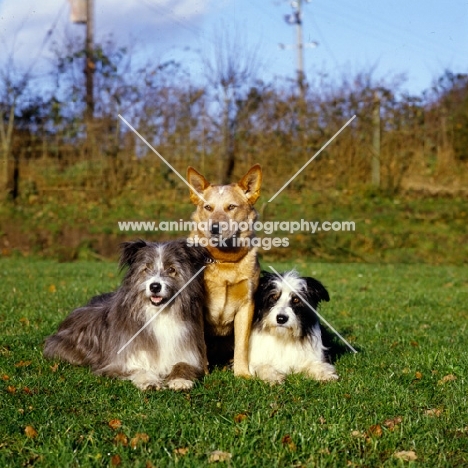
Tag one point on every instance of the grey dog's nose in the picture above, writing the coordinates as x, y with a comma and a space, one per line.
281, 319
155, 287
215, 228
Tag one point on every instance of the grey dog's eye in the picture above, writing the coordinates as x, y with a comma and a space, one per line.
148, 267
171, 271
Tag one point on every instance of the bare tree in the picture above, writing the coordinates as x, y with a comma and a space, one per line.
230, 69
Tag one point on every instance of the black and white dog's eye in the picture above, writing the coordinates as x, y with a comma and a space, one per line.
275, 297
295, 300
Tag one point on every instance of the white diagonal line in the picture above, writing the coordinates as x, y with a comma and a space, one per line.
312, 158
310, 307
160, 310
156, 152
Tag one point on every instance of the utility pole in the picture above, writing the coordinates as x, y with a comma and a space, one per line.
300, 49
90, 66
376, 140
296, 19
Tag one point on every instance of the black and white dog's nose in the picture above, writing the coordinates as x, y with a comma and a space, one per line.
281, 319
215, 228
155, 288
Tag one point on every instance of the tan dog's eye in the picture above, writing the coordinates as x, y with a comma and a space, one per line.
231, 207
208, 208
171, 271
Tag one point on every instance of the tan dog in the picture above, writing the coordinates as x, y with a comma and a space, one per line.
224, 218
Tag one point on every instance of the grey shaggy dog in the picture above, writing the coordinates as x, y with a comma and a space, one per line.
170, 351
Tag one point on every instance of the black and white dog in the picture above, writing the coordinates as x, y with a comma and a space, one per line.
286, 335
170, 351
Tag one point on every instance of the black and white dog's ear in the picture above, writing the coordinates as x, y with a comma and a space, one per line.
317, 290
129, 252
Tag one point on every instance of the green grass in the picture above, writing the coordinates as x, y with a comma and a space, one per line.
408, 322
388, 229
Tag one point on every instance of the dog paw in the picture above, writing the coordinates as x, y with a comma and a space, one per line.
180, 384
325, 373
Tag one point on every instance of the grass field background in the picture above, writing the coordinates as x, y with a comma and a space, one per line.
401, 400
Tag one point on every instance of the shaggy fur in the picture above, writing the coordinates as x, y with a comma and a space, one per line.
286, 336
170, 351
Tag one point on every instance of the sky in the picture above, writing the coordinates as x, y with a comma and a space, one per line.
417, 38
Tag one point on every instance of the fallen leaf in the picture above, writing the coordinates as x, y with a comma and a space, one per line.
418, 376
322, 420
414, 343
433, 412
5, 377
24, 321
116, 460
11, 389
115, 423
391, 423
30, 432
375, 430
23, 363
358, 434
218, 456
54, 367
121, 438
181, 451
139, 436
287, 440
28, 391
52, 288
447, 378
239, 417
407, 455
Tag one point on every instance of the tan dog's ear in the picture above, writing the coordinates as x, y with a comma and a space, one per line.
251, 183
198, 182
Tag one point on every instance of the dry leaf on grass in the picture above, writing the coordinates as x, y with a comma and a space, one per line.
375, 430
447, 378
391, 423
30, 432
139, 436
121, 438
287, 440
181, 451
219, 456
23, 363
115, 423
24, 321
52, 288
54, 367
116, 460
5, 377
239, 417
407, 455
418, 376
11, 389
433, 412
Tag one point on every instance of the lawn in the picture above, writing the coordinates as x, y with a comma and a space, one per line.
401, 400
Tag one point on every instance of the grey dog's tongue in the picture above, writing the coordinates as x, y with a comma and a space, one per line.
156, 299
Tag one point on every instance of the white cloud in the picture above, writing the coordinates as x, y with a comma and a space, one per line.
155, 23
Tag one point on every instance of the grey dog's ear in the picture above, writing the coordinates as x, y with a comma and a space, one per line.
129, 252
